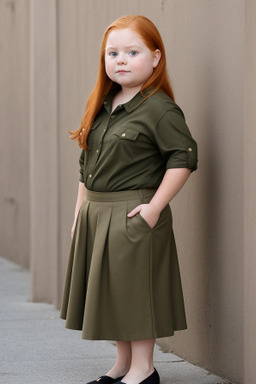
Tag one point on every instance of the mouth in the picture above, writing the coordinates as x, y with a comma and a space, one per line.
122, 71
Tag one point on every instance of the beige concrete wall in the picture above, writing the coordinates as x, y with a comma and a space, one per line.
249, 193
44, 152
14, 130
211, 58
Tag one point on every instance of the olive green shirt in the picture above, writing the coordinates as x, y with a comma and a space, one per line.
132, 147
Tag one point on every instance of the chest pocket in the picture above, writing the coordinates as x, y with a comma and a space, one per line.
123, 145
127, 135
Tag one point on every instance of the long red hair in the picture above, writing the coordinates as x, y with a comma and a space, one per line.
158, 80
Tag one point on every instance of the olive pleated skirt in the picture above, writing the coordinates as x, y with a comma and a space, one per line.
123, 279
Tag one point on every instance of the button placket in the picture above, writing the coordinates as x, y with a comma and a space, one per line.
89, 179
111, 118
95, 156
97, 152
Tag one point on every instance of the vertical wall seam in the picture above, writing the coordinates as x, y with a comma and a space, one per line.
58, 263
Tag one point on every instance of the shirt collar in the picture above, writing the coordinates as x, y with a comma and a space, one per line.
130, 105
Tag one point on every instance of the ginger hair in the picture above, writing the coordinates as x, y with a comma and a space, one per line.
158, 80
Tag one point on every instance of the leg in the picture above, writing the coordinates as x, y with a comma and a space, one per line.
123, 360
142, 361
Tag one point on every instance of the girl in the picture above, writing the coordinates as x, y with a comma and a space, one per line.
123, 280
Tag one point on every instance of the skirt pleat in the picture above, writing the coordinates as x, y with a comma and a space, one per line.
123, 279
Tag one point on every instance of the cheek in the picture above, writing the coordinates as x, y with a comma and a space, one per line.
143, 66
109, 67
145, 69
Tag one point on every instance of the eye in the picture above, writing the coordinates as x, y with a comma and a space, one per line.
133, 53
112, 53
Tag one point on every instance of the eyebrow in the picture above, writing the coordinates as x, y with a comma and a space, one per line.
127, 47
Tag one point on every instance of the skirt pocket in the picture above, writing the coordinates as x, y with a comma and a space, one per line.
164, 218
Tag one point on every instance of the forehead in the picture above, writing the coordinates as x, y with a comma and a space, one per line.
123, 37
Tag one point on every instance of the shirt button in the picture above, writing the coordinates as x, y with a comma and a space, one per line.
90, 176
97, 151
123, 134
190, 149
105, 103
113, 116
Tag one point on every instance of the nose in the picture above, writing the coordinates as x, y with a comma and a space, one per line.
121, 59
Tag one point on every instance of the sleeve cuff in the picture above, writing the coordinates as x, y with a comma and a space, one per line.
183, 159
81, 177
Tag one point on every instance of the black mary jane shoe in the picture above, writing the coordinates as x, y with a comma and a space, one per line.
151, 379
105, 380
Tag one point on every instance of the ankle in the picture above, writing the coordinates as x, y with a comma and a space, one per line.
145, 364
146, 369
118, 370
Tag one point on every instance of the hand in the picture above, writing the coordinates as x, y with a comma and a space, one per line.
149, 214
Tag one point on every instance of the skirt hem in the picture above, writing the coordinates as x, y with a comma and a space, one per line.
146, 336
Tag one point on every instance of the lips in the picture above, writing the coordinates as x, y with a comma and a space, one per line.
122, 71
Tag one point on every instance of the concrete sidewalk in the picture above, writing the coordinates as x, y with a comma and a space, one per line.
36, 348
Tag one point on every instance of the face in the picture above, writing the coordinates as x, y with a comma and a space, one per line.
128, 61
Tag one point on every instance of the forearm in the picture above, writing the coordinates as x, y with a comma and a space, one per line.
80, 197
172, 182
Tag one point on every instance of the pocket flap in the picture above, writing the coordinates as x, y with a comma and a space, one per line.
127, 135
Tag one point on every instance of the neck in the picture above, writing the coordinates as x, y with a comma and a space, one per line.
123, 96
128, 93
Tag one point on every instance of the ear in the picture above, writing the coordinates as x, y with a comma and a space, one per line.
156, 58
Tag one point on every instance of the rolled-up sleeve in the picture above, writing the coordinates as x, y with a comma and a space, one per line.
175, 141
81, 163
